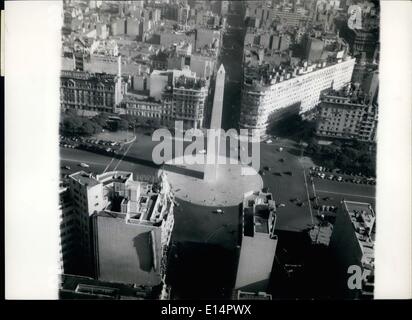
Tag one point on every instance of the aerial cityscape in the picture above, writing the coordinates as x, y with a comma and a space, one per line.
218, 149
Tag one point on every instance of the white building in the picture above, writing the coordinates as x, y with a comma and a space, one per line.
264, 97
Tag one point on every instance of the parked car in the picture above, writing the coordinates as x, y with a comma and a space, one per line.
84, 165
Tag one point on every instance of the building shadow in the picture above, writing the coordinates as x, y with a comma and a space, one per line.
143, 245
201, 271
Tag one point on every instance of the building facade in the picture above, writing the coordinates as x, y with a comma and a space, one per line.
347, 115
118, 220
90, 92
131, 235
69, 233
268, 93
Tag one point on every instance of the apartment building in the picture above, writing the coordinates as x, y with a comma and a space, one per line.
347, 115
90, 92
269, 92
131, 235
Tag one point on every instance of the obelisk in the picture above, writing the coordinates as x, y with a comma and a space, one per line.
213, 138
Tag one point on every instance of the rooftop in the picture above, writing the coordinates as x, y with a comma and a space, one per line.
346, 95
363, 220
85, 179
82, 75
269, 72
242, 295
259, 213
79, 287
135, 201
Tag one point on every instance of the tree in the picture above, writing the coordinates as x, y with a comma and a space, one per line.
71, 125
87, 127
100, 120
123, 124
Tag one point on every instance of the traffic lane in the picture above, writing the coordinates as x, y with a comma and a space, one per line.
98, 163
345, 188
195, 223
331, 193
286, 187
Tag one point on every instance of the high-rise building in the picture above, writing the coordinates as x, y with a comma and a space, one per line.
352, 246
347, 115
86, 194
69, 233
365, 41
131, 234
258, 244
268, 93
189, 94
123, 226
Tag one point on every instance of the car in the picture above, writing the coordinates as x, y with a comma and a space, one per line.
330, 177
203, 151
280, 149
339, 179
84, 165
282, 160
268, 141
281, 205
288, 173
66, 167
219, 211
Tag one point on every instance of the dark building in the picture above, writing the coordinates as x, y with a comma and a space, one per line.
352, 246
365, 41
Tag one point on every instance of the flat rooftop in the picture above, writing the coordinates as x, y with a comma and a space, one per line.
85, 179
81, 75
257, 208
363, 220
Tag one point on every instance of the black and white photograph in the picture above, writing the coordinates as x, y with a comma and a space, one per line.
214, 150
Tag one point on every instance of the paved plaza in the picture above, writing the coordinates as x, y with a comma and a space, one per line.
227, 190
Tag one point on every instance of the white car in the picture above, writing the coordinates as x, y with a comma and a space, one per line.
268, 141
219, 211
281, 205
84, 165
202, 151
